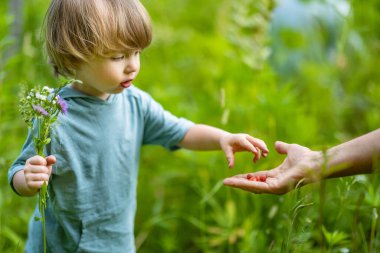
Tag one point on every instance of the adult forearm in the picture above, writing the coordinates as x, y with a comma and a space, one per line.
203, 137
357, 156
20, 185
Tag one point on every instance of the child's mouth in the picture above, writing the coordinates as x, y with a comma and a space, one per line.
126, 84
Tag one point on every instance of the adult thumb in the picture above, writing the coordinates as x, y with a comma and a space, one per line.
282, 147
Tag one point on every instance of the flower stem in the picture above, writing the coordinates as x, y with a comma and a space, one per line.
42, 210
39, 144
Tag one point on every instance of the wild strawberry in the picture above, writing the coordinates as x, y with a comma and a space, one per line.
263, 178
251, 177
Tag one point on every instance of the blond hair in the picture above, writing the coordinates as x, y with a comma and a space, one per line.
77, 30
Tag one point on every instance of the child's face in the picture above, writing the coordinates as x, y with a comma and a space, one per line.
103, 76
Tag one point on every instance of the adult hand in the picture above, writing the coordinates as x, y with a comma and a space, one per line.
301, 166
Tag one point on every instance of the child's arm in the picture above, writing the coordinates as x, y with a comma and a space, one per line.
203, 137
37, 169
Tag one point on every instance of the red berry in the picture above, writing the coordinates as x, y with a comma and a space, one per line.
262, 178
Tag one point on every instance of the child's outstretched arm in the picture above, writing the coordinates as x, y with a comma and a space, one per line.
203, 137
37, 169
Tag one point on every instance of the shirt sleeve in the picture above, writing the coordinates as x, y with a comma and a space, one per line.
161, 127
26, 152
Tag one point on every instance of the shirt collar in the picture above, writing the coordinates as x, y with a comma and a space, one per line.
69, 92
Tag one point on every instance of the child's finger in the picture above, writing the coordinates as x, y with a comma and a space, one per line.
50, 160
258, 143
35, 169
36, 184
248, 146
258, 154
40, 177
36, 160
230, 156
35, 180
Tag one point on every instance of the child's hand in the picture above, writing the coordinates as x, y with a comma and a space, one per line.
37, 171
231, 143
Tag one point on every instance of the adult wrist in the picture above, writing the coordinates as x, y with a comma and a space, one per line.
316, 166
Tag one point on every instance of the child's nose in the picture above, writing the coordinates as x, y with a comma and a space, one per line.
132, 65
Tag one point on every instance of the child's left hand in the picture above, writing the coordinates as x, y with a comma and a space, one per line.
231, 143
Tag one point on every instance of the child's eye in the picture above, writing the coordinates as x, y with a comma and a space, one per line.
117, 57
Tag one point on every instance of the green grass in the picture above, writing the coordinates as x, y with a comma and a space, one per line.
197, 68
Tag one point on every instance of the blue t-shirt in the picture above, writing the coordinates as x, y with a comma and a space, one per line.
92, 190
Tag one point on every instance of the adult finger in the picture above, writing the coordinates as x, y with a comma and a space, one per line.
282, 147
244, 184
250, 174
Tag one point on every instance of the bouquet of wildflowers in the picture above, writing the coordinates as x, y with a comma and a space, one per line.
40, 108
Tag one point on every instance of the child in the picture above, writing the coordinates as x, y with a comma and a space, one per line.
95, 148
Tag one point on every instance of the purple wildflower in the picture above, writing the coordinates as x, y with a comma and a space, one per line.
40, 110
62, 104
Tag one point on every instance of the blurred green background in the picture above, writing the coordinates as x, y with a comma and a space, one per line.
298, 71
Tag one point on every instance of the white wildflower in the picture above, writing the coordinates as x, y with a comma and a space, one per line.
50, 90
41, 97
